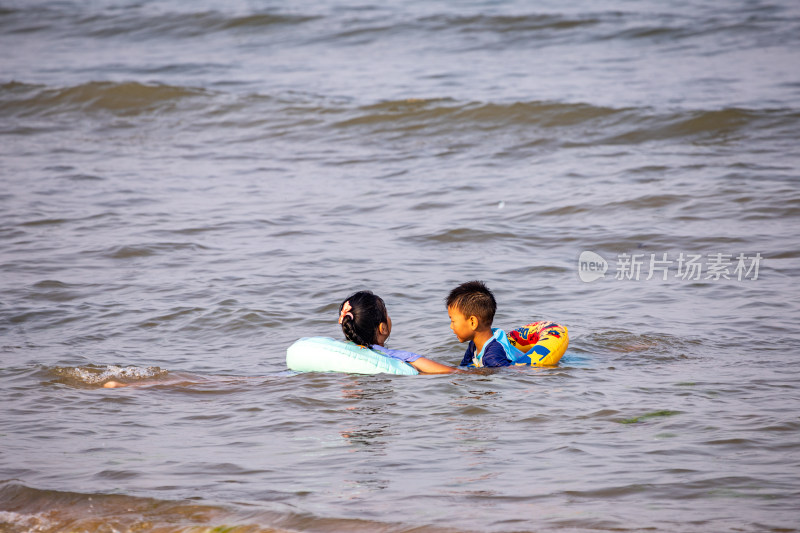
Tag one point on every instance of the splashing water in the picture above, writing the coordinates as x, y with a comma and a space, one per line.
98, 376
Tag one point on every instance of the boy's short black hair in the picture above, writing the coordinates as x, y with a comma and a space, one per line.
473, 298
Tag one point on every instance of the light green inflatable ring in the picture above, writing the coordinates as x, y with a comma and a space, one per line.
323, 354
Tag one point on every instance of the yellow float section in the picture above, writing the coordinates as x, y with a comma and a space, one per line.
540, 343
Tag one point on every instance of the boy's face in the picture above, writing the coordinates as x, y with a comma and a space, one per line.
464, 327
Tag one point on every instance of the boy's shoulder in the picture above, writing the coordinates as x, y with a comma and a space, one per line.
495, 354
494, 346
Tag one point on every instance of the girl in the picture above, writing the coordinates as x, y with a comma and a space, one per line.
365, 322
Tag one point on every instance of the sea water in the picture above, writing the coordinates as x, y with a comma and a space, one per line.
187, 188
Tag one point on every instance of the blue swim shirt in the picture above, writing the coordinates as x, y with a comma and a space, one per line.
493, 353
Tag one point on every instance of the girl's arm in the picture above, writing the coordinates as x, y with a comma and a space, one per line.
427, 366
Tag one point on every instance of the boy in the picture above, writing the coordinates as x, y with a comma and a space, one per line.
471, 307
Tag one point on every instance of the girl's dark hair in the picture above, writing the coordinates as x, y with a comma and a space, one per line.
368, 312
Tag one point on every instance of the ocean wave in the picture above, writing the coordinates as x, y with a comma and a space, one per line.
151, 249
186, 25
141, 23
509, 23
97, 376
463, 30
498, 30
127, 98
641, 349
629, 25
461, 235
27, 509
729, 124
485, 31
415, 114
530, 123
585, 123
30, 509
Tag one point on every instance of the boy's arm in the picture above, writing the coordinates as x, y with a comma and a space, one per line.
428, 366
408, 357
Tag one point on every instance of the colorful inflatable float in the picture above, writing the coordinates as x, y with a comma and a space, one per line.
540, 343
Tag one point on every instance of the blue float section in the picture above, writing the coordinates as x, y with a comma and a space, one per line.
323, 354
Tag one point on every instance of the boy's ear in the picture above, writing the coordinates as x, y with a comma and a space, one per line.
473, 322
383, 328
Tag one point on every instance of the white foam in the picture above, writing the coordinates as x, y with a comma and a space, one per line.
34, 522
95, 376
